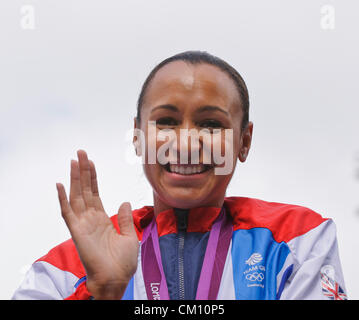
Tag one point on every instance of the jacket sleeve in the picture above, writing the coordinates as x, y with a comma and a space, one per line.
46, 282
317, 272
81, 293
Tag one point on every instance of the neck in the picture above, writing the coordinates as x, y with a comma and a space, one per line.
160, 205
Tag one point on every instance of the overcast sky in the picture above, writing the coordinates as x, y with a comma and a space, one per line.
70, 78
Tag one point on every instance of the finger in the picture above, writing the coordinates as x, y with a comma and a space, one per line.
76, 199
85, 178
125, 220
94, 187
66, 210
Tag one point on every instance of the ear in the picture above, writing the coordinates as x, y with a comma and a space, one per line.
136, 141
245, 143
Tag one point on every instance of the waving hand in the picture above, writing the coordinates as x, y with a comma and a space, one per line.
109, 258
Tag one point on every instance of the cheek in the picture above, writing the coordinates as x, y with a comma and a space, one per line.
148, 140
218, 144
152, 144
225, 144
224, 152
161, 146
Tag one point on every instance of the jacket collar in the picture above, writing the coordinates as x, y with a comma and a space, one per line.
199, 220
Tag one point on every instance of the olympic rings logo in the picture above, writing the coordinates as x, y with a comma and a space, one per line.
255, 276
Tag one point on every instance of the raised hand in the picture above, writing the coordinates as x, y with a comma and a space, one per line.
109, 258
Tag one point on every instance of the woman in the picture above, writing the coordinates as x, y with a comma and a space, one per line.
194, 243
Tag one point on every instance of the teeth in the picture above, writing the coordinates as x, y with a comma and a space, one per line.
186, 170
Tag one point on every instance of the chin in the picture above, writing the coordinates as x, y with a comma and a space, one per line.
187, 190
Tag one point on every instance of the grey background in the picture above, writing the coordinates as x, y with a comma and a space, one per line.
73, 81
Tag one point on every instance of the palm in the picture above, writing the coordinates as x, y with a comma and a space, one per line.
102, 250
109, 258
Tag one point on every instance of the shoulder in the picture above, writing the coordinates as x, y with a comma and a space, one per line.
285, 221
65, 257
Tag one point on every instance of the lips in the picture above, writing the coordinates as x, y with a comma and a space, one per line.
187, 169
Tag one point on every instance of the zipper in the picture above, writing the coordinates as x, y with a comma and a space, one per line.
180, 265
182, 220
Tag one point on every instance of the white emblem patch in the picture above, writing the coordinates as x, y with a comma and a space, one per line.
330, 287
254, 259
255, 274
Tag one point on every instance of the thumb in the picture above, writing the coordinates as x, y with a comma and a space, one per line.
125, 220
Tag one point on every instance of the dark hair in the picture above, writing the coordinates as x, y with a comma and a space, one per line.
196, 57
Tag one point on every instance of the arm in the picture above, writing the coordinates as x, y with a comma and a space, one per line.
108, 257
317, 272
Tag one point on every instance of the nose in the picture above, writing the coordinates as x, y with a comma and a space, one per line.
189, 145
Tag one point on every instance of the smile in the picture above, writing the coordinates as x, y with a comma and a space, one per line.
188, 169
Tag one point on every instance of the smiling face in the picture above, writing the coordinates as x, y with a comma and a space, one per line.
192, 96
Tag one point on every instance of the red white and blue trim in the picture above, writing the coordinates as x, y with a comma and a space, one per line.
277, 251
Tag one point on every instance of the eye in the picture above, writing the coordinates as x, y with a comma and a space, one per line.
167, 121
211, 124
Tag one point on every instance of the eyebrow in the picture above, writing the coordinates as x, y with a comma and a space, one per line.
166, 106
211, 108
205, 108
